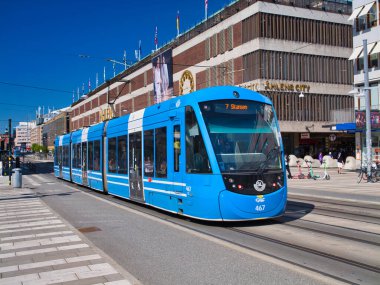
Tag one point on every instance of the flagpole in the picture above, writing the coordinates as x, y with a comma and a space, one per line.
206, 6
156, 38
104, 74
177, 24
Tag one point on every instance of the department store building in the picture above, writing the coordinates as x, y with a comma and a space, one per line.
295, 52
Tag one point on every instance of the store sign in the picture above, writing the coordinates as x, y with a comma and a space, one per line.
332, 137
305, 136
278, 86
274, 86
106, 114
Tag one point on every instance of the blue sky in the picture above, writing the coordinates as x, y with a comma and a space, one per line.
41, 42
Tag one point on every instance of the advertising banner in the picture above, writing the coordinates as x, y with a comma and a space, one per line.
360, 120
163, 76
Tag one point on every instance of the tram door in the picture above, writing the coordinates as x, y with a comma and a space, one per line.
60, 161
84, 163
135, 169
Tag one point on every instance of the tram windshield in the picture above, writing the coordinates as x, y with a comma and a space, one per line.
244, 135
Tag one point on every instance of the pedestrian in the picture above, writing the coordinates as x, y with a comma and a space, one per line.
320, 157
287, 166
340, 159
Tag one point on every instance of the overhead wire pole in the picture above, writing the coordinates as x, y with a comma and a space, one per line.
10, 151
367, 112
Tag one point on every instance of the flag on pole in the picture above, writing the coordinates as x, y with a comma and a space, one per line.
73, 96
125, 59
89, 85
82, 89
177, 23
206, 7
139, 50
156, 38
78, 93
104, 74
97, 80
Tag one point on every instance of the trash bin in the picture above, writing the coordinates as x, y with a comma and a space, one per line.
17, 178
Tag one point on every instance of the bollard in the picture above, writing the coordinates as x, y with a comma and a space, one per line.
17, 178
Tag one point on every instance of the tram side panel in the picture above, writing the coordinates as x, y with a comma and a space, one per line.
116, 157
94, 157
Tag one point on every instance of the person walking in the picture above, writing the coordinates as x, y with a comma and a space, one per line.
287, 166
340, 159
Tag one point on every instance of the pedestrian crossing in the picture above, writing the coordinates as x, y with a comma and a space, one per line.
38, 248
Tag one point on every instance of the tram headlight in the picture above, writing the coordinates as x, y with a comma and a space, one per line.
231, 180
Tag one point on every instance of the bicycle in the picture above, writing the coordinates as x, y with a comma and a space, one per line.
375, 173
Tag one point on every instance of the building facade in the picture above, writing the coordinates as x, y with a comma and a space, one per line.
58, 125
295, 52
22, 138
36, 135
366, 26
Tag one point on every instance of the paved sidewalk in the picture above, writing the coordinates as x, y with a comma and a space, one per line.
38, 247
343, 187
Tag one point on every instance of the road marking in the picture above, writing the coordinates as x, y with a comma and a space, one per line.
53, 262
36, 235
27, 220
43, 250
25, 215
21, 225
39, 242
33, 229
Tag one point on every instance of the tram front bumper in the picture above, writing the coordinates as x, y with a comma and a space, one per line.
235, 207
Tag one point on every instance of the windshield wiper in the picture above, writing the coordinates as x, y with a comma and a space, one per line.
271, 155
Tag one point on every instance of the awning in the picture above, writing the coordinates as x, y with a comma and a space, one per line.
366, 9
355, 13
345, 127
376, 49
369, 48
356, 53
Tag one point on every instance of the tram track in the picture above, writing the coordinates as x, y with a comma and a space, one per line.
250, 241
325, 232
197, 226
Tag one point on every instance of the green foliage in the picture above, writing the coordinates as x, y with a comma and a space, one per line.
39, 148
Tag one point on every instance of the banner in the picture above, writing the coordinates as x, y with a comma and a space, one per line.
361, 122
163, 76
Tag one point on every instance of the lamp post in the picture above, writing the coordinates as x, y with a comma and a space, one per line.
367, 109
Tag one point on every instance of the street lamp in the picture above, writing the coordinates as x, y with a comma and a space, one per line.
363, 92
367, 110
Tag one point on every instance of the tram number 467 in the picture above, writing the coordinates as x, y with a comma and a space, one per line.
260, 208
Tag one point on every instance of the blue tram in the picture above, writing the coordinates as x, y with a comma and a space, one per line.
215, 154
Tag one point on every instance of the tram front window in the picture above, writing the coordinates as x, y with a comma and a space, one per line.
244, 135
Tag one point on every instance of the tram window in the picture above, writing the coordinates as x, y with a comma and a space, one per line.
78, 155
96, 155
112, 155
148, 153
161, 157
176, 146
90, 155
84, 156
196, 155
73, 159
122, 154
60, 155
63, 156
